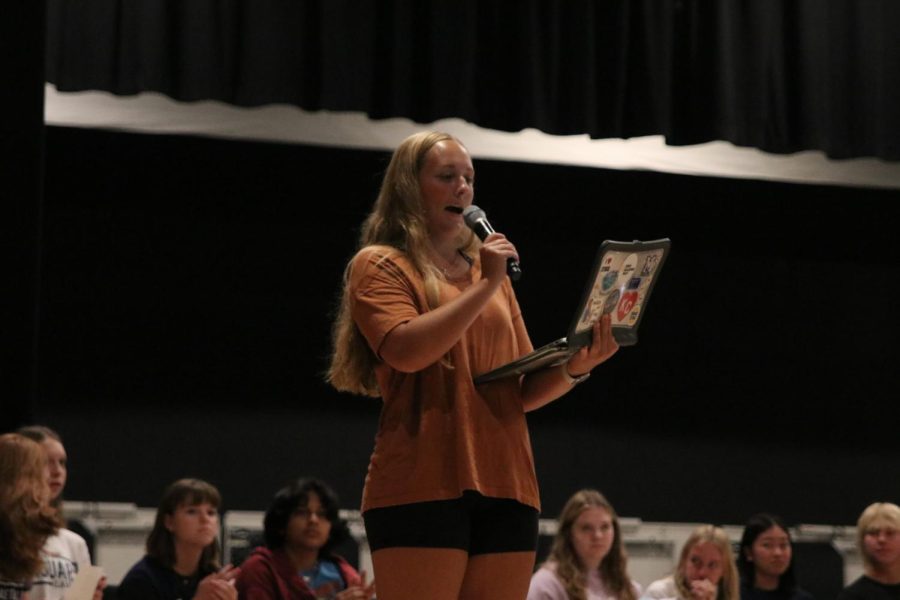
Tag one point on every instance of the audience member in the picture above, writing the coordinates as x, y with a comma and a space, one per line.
65, 552
765, 561
706, 570
182, 560
878, 537
302, 528
588, 559
27, 518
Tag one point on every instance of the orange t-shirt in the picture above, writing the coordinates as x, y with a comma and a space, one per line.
439, 434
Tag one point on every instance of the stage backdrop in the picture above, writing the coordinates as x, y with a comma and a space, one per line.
188, 285
782, 77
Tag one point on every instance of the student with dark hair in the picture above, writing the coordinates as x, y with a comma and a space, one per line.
765, 561
26, 517
182, 560
302, 528
65, 552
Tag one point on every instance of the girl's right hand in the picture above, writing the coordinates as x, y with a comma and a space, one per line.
494, 253
703, 589
360, 591
219, 585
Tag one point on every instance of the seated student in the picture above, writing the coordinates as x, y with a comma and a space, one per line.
302, 528
26, 517
878, 537
65, 552
182, 560
587, 560
765, 561
705, 570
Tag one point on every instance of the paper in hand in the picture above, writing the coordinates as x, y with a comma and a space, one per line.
85, 583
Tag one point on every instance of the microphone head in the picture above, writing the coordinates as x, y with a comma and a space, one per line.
472, 214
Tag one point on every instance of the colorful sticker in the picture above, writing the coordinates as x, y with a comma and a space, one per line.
608, 275
610, 302
650, 263
627, 270
634, 314
629, 299
608, 281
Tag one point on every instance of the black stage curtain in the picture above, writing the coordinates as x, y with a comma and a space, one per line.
21, 194
781, 76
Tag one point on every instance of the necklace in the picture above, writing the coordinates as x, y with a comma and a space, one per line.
450, 266
453, 269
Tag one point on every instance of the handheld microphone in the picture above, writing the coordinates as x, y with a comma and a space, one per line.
477, 222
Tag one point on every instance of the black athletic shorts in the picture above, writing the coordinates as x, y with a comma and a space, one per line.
474, 523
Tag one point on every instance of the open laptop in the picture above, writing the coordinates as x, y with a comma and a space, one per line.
620, 283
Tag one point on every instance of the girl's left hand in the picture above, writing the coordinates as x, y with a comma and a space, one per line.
98, 593
603, 345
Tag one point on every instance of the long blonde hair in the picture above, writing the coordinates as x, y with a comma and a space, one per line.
397, 222
40, 434
26, 516
729, 585
614, 567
